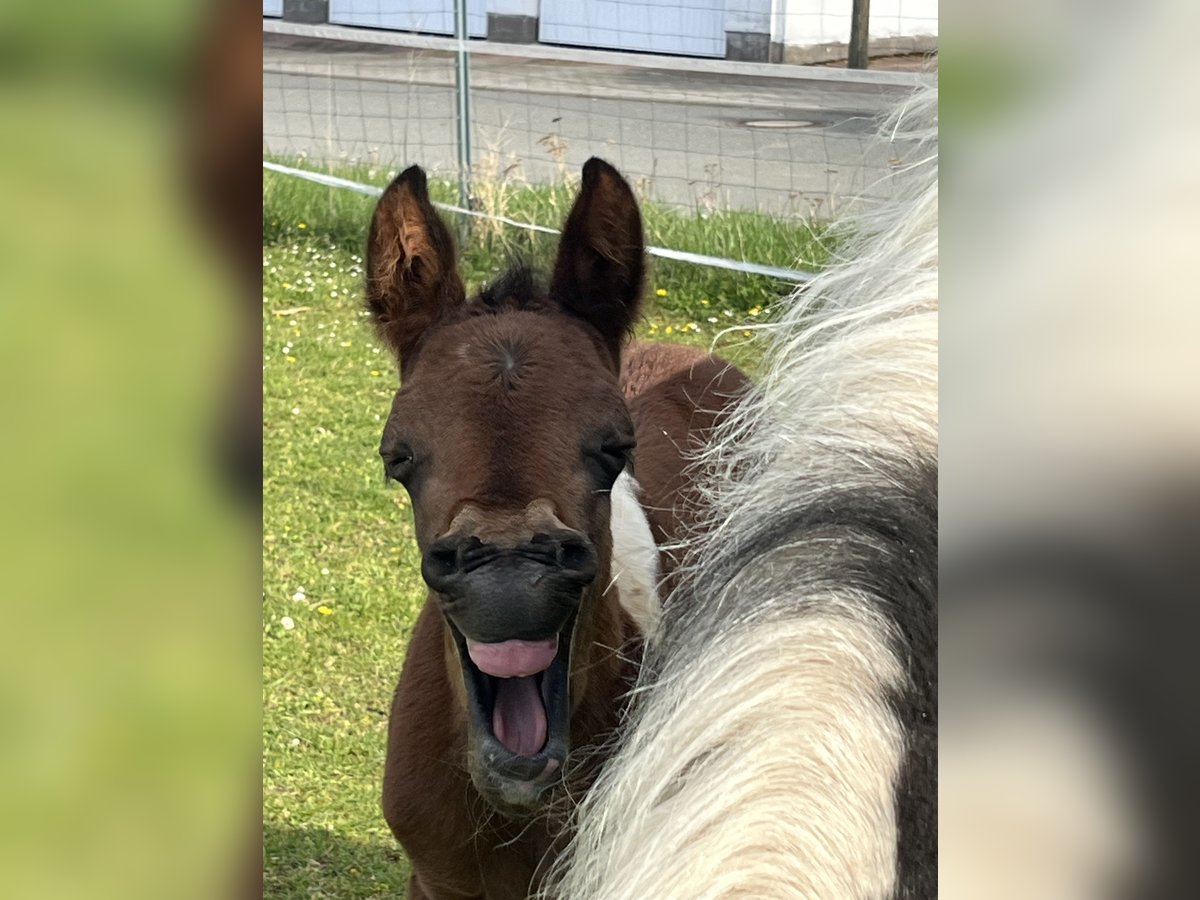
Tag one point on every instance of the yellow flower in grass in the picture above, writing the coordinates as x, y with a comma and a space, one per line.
661, 292
669, 329
301, 225
325, 610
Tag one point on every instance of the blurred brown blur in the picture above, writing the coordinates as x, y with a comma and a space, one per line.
223, 151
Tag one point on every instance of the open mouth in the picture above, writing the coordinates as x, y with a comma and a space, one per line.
518, 716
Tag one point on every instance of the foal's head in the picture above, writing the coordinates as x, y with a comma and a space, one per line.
508, 431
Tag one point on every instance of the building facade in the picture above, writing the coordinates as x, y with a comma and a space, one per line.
788, 31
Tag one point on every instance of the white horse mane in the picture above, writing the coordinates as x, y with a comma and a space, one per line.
763, 750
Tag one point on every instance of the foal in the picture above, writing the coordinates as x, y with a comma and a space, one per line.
519, 422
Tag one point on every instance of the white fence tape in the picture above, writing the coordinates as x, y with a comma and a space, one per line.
793, 275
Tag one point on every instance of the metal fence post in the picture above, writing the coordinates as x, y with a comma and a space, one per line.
860, 18
462, 85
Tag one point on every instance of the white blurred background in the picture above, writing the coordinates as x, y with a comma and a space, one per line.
1070, 449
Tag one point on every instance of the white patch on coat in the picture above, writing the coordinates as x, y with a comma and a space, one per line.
634, 556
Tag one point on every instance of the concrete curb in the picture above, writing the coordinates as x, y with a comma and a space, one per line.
434, 76
835, 52
430, 79
606, 57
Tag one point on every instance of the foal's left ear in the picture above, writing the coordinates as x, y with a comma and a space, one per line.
601, 257
411, 276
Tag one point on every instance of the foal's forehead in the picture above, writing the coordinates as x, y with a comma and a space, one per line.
514, 353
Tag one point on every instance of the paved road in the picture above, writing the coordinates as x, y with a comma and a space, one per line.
695, 140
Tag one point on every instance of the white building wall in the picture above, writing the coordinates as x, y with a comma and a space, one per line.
795, 23
752, 16
655, 26
802, 22
432, 16
513, 7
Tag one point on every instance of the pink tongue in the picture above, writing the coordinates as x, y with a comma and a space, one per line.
518, 716
513, 659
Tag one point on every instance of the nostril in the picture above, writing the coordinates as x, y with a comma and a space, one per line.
442, 561
451, 557
575, 555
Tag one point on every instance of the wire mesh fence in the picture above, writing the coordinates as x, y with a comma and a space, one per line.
693, 135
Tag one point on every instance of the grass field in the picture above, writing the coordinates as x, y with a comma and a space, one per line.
341, 586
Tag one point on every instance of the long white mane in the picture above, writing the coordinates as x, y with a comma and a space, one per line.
764, 751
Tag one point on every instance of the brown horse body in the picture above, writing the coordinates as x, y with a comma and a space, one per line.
518, 412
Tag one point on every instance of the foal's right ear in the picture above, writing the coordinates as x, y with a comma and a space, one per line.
601, 257
411, 278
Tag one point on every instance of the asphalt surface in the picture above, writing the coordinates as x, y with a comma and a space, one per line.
696, 140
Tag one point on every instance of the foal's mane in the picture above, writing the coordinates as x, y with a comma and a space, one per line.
518, 288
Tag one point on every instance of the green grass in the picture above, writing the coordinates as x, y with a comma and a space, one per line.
746, 236
339, 557
340, 563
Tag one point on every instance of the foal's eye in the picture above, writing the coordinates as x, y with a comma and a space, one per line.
610, 459
398, 462
619, 448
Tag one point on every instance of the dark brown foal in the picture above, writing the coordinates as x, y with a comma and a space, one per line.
520, 422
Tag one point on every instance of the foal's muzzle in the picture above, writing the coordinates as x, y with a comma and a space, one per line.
498, 593
511, 610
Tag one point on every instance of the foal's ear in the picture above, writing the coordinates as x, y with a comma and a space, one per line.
411, 278
600, 265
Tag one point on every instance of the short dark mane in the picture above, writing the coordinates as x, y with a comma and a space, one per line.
518, 288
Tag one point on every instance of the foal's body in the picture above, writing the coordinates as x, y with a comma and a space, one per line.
514, 432
460, 846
